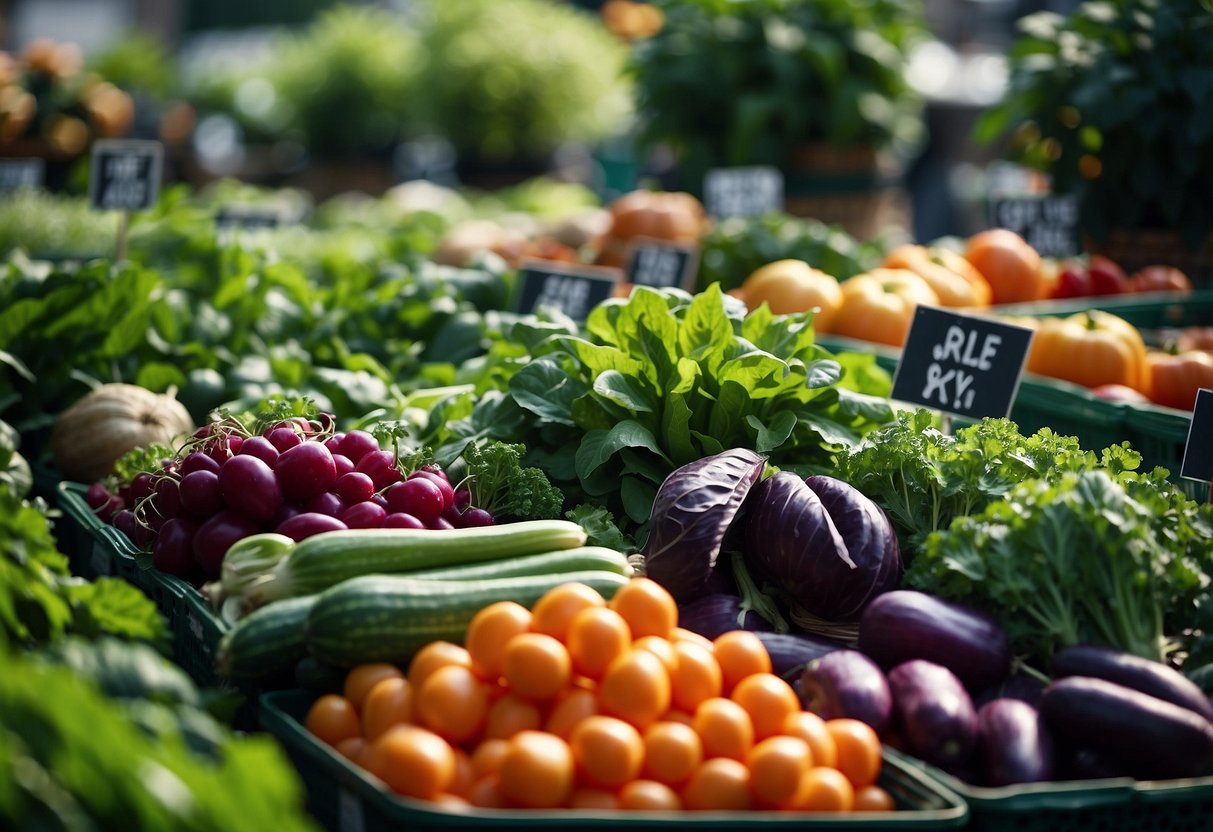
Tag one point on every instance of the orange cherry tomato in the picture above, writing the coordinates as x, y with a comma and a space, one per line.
672, 752
453, 702
608, 752
648, 796
360, 680
552, 613
696, 676
725, 729
873, 799
537, 771
388, 703
683, 634
588, 797
720, 783
487, 757
490, 629
596, 637
636, 688
412, 761
464, 776
811, 728
739, 653
353, 749
537, 666
659, 647
768, 699
647, 606
858, 750
777, 765
574, 705
486, 793
434, 655
332, 718
509, 714
825, 789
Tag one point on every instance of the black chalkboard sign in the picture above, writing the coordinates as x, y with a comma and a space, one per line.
662, 264
569, 289
21, 173
1048, 223
961, 364
1198, 452
743, 191
125, 174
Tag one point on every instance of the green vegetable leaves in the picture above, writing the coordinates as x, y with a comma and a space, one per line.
665, 378
498, 483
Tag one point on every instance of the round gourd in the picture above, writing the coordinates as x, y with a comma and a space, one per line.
92, 434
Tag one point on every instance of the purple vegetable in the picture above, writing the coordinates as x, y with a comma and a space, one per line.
790, 652
846, 683
691, 513
716, 613
1013, 744
823, 542
933, 713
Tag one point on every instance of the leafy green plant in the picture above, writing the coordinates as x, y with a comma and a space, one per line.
658, 380
733, 82
1113, 102
510, 79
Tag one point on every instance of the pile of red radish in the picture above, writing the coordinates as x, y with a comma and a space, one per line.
296, 478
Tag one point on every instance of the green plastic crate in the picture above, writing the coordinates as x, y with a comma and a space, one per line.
343, 797
195, 628
1118, 804
1146, 311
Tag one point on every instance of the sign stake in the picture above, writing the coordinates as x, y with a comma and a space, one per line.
124, 221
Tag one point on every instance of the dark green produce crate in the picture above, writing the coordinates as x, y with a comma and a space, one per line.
1146, 311
1118, 804
341, 796
195, 628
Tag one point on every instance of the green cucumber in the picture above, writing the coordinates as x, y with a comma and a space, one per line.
388, 618
266, 642
580, 559
324, 560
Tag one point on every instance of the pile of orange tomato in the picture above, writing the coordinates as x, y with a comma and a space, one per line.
584, 703
1096, 349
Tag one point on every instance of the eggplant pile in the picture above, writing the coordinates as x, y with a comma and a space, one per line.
934, 680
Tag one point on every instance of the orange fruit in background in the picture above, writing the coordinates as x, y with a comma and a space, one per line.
879, 305
811, 728
649, 796
552, 613
608, 752
769, 701
434, 655
647, 606
1009, 264
360, 680
596, 637
825, 789
739, 653
389, 703
873, 799
510, 714
777, 766
636, 688
574, 705
537, 666
724, 728
721, 784
488, 633
672, 752
453, 702
788, 286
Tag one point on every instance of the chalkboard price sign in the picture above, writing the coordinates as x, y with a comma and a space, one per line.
1198, 452
21, 173
1048, 223
961, 364
251, 217
743, 191
125, 174
662, 264
571, 290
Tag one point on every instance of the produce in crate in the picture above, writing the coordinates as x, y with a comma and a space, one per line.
633, 732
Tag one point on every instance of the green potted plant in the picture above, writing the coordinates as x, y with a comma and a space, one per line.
1115, 103
507, 82
816, 88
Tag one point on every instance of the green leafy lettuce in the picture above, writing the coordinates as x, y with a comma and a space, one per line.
1105, 556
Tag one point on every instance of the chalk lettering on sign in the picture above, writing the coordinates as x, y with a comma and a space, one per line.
569, 295
121, 193
743, 191
955, 338
656, 266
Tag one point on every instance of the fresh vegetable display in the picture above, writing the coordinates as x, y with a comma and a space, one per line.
582, 700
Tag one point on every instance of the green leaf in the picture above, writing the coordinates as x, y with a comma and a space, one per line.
600, 446
772, 436
159, 376
547, 391
626, 391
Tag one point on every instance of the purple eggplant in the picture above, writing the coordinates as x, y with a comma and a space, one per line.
1025, 687
846, 683
933, 713
1145, 675
1013, 744
1152, 738
791, 652
906, 624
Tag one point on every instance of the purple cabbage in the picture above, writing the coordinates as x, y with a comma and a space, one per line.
822, 542
718, 612
692, 512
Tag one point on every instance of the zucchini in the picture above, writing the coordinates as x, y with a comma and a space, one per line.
267, 641
324, 560
580, 559
387, 618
